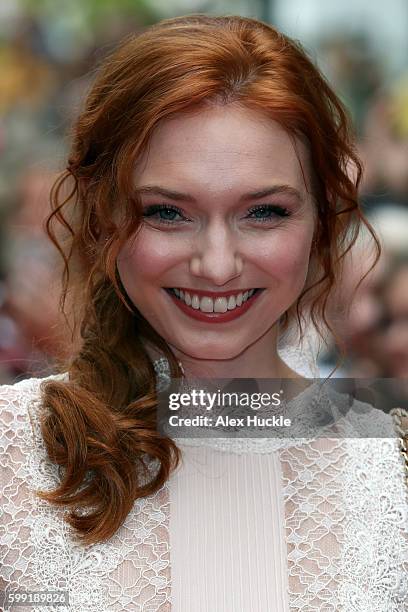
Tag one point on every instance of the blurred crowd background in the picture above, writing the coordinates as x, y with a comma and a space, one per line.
48, 51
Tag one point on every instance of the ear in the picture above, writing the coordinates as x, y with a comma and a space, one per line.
353, 171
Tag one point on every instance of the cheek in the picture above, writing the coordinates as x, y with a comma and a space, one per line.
148, 257
284, 256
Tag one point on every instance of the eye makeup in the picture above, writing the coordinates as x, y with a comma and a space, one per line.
171, 215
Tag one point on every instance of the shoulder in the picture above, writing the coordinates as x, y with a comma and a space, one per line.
355, 418
371, 438
20, 405
17, 396
27, 387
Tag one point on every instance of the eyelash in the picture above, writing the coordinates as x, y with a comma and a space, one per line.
152, 210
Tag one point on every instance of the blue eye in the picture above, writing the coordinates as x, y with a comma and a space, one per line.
267, 212
164, 213
167, 214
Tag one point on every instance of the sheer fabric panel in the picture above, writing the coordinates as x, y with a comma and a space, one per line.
227, 538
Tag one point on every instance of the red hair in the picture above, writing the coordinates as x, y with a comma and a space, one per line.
102, 422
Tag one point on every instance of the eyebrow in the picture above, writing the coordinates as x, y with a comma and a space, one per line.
254, 195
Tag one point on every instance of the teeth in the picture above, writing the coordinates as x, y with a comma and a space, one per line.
208, 304
231, 302
220, 304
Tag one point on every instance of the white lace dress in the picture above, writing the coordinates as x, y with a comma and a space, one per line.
243, 525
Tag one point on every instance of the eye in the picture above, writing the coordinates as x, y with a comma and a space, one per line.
164, 213
267, 212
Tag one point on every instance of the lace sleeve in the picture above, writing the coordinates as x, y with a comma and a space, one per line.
347, 527
38, 552
15, 440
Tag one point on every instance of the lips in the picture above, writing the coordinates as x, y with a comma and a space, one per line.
213, 306
213, 302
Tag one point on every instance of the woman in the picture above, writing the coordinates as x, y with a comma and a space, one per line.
210, 195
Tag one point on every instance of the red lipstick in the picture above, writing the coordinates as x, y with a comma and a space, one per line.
214, 317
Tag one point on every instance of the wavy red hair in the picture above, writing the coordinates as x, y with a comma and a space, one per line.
100, 425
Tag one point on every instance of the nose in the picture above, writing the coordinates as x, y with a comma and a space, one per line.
216, 256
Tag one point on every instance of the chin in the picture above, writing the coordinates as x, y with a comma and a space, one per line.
210, 351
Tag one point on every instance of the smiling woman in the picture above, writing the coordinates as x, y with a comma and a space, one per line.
209, 199
234, 250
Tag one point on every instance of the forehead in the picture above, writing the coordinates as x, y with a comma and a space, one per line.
223, 147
